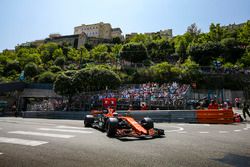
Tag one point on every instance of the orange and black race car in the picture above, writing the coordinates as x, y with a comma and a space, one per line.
121, 126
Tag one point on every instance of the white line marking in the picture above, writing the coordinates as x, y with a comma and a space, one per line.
178, 129
42, 134
204, 132
245, 128
72, 127
30, 123
182, 132
21, 141
1, 153
223, 131
65, 130
194, 124
238, 130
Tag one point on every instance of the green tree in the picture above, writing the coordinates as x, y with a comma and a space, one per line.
57, 53
163, 72
73, 54
244, 35
60, 61
245, 60
26, 58
63, 86
159, 50
232, 51
100, 54
55, 69
8, 55
181, 47
141, 38
95, 78
205, 53
47, 51
30, 70
84, 56
12, 68
215, 33
192, 33
46, 77
134, 52
190, 72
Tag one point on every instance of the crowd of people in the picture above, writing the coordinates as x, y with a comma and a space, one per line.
153, 94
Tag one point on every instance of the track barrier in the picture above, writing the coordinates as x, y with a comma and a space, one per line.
180, 116
224, 116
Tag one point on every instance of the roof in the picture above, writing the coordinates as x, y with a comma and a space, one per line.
116, 29
39, 93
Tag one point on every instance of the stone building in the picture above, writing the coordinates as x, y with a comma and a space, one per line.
163, 33
98, 30
75, 41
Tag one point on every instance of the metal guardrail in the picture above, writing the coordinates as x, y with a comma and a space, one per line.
183, 116
71, 115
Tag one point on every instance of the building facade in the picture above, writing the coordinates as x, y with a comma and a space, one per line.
98, 30
163, 33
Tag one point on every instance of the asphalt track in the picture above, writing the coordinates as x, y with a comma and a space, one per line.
44, 142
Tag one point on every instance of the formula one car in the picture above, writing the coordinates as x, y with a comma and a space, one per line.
121, 126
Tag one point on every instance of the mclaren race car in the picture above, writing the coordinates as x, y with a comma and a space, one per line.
121, 126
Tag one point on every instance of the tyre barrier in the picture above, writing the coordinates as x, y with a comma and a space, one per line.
224, 116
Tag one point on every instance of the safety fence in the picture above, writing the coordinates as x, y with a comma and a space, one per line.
180, 116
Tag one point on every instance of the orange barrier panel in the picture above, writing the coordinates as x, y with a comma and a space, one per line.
224, 116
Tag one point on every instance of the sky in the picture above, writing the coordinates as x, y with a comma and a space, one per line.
29, 20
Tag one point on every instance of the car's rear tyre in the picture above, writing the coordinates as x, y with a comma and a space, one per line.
89, 120
111, 127
147, 123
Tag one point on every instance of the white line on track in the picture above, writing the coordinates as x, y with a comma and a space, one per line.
194, 124
21, 141
182, 132
42, 134
72, 127
65, 130
176, 130
245, 128
1, 153
238, 130
203, 132
26, 122
223, 131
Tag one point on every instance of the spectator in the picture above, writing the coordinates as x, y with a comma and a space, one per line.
13, 108
143, 107
213, 105
130, 108
237, 102
245, 110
